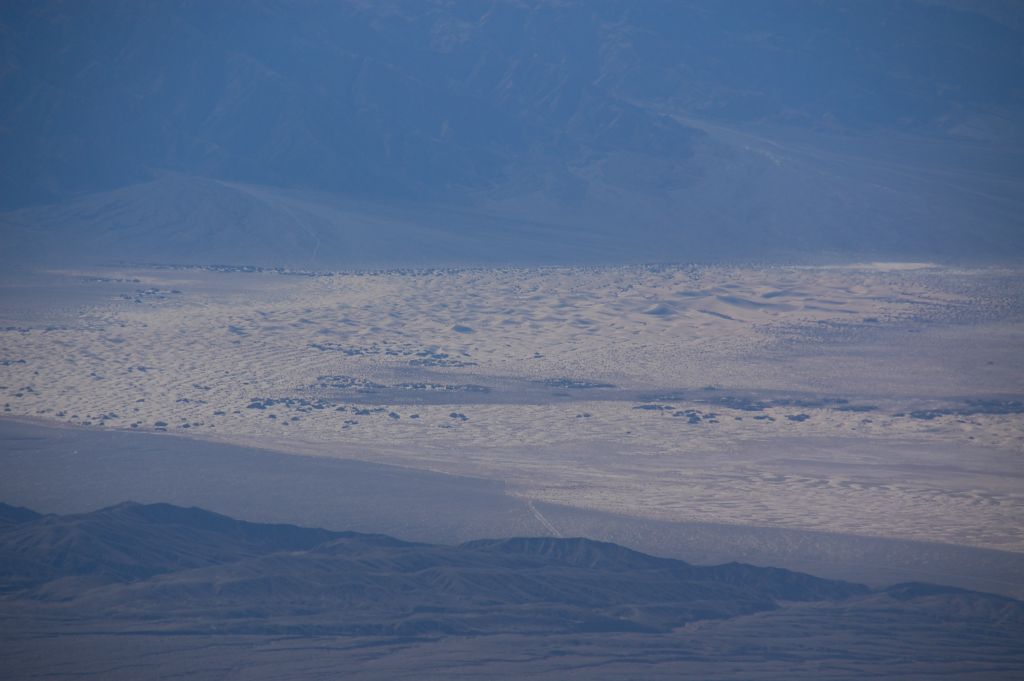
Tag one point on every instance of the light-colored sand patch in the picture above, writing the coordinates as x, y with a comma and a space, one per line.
907, 349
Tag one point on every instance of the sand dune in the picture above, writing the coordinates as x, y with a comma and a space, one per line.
820, 398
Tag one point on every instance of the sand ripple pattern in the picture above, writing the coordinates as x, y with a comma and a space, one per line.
190, 352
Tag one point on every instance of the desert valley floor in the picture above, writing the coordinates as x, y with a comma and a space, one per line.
879, 400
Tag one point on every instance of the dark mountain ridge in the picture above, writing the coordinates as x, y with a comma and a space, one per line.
146, 561
99, 589
136, 558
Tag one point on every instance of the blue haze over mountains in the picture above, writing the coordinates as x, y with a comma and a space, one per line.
159, 591
324, 134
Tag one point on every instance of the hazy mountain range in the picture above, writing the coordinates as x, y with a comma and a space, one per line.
150, 559
425, 133
144, 575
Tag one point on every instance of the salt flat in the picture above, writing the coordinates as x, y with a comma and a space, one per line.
882, 399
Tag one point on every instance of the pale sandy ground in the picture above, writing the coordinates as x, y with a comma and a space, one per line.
900, 338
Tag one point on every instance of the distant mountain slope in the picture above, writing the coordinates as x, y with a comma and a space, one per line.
108, 546
140, 561
13, 515
410, 132
106, 591
180, 219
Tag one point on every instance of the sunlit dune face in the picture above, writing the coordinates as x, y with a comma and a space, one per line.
797, 397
